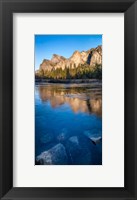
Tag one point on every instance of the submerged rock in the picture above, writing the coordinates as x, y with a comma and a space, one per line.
74, 140
96, 140
63, 135
94, 136
74, 150
55, 156
79, 151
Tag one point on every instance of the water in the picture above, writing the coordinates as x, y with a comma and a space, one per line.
68, 124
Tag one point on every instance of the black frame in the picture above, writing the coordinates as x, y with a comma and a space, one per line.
7, 8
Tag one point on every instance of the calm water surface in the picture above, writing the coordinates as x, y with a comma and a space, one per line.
68, 120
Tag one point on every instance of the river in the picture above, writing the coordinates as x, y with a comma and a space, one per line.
68, 124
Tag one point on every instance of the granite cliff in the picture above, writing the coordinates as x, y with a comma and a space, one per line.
91, 58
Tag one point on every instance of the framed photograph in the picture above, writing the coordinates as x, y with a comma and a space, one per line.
68, 94
68, 99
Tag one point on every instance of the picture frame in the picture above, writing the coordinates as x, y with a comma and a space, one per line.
7, 8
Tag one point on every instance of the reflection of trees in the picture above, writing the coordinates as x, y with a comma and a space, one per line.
80, 99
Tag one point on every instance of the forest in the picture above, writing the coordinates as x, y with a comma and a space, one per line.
84, 71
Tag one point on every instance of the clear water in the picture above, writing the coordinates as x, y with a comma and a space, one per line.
70, 115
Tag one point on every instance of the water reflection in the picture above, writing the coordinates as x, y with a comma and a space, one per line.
68, 124
85, 98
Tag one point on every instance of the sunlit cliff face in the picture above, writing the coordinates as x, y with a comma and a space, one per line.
80, 99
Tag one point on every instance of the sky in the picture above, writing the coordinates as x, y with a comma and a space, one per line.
64, 45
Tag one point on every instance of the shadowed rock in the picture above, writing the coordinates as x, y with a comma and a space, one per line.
79, 150
73, 148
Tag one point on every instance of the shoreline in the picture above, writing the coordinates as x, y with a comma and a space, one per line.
37, 81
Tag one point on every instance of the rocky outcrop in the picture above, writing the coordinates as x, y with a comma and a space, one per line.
90, 57
46, 65
96, 56
56, 59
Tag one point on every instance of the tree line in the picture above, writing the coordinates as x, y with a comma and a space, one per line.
84, 71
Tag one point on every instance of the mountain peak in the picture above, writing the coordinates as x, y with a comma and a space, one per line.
57, 58
90, 57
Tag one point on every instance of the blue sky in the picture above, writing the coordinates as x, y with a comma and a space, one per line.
64, 45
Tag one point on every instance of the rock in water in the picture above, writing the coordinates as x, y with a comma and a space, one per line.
94, 137
78, 150
96, 140
73, 148
63, 135
55, 156
74, 140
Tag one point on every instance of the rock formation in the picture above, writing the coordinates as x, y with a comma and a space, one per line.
90, 57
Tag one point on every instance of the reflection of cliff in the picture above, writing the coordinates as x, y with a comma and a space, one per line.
79, 99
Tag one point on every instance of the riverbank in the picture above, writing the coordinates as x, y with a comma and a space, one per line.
42, 80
